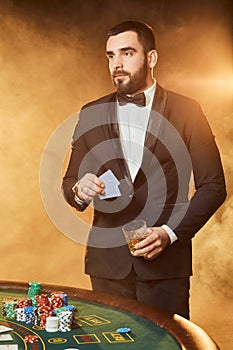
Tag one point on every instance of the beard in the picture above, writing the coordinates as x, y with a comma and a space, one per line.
137, 81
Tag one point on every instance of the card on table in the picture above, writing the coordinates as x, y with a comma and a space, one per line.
9, 347
5, 337
5, 329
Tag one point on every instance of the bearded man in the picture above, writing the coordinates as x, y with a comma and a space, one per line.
151, 140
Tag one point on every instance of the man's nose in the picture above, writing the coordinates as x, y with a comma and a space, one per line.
117, 63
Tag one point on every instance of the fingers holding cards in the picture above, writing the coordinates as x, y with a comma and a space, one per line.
111, 185
90, 186
105, 186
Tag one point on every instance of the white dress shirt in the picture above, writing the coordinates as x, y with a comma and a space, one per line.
133, 121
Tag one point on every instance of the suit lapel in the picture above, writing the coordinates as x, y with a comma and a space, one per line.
112, 132
156, 116
154, 128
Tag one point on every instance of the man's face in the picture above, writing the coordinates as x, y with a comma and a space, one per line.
127, 63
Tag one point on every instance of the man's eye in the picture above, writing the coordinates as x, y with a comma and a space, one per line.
110, 57
128, 53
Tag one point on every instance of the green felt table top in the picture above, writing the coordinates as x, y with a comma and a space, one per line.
95, 328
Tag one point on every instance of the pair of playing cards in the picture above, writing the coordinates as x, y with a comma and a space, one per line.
111, 185
6, 337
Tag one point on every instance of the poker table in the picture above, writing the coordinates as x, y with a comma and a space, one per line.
97, 319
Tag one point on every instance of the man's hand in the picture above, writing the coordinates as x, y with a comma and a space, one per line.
154, 244
89, 186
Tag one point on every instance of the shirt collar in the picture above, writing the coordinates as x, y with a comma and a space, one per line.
149, 93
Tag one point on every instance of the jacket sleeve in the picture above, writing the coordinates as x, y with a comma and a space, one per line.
89, 132
210, 191
78, 151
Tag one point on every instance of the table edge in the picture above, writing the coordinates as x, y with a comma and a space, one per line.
188, 335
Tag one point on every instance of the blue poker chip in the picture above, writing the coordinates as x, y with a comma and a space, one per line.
123, 330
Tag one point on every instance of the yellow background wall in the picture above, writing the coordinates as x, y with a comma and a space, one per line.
52, 62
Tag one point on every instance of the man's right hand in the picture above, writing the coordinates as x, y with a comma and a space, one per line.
89, 186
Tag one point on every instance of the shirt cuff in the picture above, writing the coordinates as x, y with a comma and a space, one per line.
170, 233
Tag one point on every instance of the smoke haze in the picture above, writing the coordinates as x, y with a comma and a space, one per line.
52, 62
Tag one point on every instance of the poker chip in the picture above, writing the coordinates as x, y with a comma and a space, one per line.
31, 339
37, 318
34, 289
57, 292
57, 301
30, 318
23, 302
42, 299
64, 298
65, 321
123, 330
52, 324
20, 314
29, 309
71, 308
9, 309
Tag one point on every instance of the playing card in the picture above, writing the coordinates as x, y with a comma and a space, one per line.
5, 337
5, 329
111, 185
9, 347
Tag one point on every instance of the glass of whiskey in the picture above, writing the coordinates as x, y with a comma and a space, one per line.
134, 232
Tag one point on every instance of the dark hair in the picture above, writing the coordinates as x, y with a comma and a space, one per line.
145, 33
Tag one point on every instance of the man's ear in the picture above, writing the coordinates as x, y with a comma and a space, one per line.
152, 57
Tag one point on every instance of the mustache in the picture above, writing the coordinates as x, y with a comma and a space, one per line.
118, 72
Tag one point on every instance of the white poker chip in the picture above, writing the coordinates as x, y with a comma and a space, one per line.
123, 330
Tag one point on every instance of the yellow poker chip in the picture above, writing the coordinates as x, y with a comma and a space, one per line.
123, 330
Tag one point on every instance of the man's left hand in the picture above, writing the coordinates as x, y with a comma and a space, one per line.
154, 244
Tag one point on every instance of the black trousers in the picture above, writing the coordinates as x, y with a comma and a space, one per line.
167, 294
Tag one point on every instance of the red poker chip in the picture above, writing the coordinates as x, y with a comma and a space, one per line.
44, 308
24, 302
31, 339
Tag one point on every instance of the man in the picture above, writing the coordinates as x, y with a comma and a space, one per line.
151, 140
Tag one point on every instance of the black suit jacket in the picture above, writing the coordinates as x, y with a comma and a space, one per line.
178, 142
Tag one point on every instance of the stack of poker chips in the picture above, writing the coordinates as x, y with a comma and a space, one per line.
44, 309
31, 339
52, 324
65, 320
37, 308
62, 295
9, 307
56, 301
44, 312
65, 308
22, 304
29, 312
20, 314
33, 291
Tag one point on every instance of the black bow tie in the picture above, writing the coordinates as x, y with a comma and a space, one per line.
139, 99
